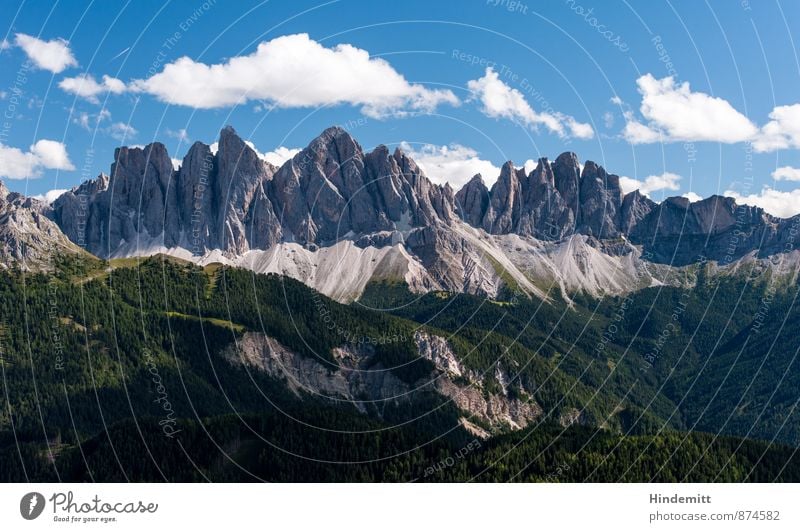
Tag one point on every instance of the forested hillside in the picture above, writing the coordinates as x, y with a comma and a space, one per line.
115, 371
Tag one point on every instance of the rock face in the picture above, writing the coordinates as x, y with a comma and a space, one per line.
235, 202
209, 203
635, 206
600, 202
678, 232
357, 379
28, 238
472, 201
332, 191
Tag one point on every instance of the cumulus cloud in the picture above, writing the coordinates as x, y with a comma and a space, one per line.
786, 173
54, 55
650, 184
637, 133
294, 71
692, 196
45, 154
498, 100
279, 155
529, 166
85, 86
775, 202
675, 113
454, 164
50, 196
672, 112
782, 131
121, 131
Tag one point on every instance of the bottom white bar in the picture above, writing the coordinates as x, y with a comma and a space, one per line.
400, 507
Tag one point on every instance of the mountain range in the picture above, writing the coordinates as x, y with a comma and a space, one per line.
336, 218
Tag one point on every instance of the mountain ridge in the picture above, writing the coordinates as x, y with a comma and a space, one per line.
231, 206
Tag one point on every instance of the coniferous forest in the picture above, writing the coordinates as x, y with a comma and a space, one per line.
116, 371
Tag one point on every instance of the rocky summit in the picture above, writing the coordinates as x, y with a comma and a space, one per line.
337, 217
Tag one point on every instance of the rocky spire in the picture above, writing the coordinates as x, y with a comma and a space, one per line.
505, 201
472, 201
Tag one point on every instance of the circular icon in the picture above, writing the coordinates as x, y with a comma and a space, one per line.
31, 505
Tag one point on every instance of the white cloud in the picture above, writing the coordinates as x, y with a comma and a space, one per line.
52, 154
498, 100
279, 155
50, 196
782, 131
692, 196
637, 133
45, 154
88, 121
176, 163
529, 166
786, 173
675, 113
85, 86
775, 202
122, 131
454, 164
672, 112
294, 71
82, 120
182, 135
650, 184
54, 55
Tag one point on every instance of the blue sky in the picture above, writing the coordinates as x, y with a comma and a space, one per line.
464, 86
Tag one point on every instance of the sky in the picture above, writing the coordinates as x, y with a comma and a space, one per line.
679, 98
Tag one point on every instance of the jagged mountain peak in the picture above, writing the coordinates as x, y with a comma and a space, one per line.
28, 238
334, 194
